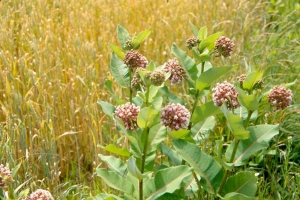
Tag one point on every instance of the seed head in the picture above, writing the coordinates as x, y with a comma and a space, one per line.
175, 116
224, 46
280, 97
177, 72
157, 78
225, 92
192, 42
40, 195
134, 60
5, 176
128, 114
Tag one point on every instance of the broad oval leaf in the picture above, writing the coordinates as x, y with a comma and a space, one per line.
259, 139
146, 116
133, 169
107, 108
157, 134
103, 196
205, 110
173, 157
206, 166
140, 38
187, 62
209, 42
202, 129
116, 150
165, 181
252, 79
117, 51
119, 71
202, 34
211, 75
238, 196
114, 164
248, 101
123, 35
243, 183
194, 29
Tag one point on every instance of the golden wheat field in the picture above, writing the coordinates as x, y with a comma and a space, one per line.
54, 59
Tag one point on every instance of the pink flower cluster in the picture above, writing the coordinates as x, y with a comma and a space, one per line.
280, 97
225, 92
133, 60
40, 195
175, 116
128, 114
5, 176
224, 46
177, 72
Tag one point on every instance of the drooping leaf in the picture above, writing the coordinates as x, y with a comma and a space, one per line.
165, 181
172, 155
146, 116
237, 196
113, 180
117, 51
252, 79
205, 110
202, 129
114, 164
123, 36
235, 124
209, 42
206, 166
119, 71
259, 139
107, 108
116, 150
242, 182
157, 135
187, 62
211, 75
140, 38
248, 101
219, 152
133, 169
202, 34
194, 29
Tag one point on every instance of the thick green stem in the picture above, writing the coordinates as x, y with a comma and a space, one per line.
143, 163
194, 107
248, 118
202, 67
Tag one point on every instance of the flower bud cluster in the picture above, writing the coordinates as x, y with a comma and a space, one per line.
241, 79
175, 116
177, 72
224, 46
128, 45
280, 97
5, 176
133, 60
157, 78
40, 195
136, 79
128, 113
192, 42
225, 92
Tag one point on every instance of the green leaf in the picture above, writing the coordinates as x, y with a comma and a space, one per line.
151, 66
237, 196
108, 85
211, 75
172, 155
194, 29
171, 97
107, 108
182, 133
202, 34
259, 139
157, 135
243, 183
202, 129
252, 79
123, 36
146, 116
15, 170
140, 38
206, 166
114, 164
157, 101
204, 111
117, 51
116, 150
235, 124
103, 196
113, 180
152, 92
119, 71
248, 101
165, 181
219, 152
133, 169
209, 42
187, 62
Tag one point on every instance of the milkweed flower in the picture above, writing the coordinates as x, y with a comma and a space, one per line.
133, 60
225, 92
40, 194
280, 97
175, 116
177, 72
128, 113
5, 176
192, 42
136, 79
224, 46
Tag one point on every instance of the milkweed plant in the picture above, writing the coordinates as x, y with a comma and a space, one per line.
186, 146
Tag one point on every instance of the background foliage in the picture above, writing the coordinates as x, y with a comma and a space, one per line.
54, 60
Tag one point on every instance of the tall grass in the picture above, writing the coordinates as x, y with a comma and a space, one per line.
54, 59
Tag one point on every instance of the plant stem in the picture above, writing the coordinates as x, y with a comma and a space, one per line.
202, 67
248, 118
130, 89
197, 181
194, 107
143, 163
